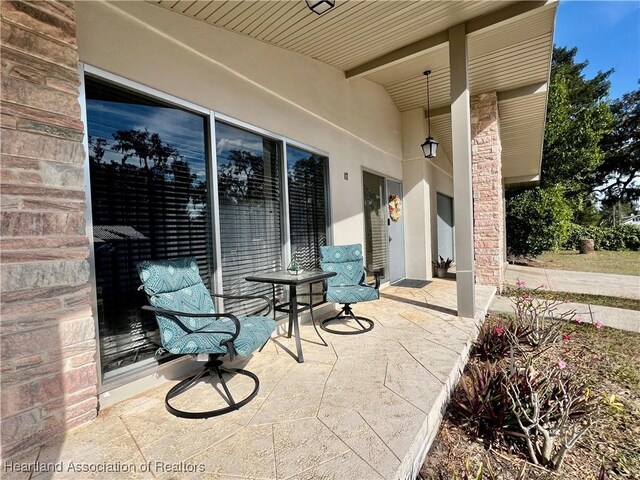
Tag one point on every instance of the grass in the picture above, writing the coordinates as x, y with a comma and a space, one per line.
623, 263
609, 360
586, 298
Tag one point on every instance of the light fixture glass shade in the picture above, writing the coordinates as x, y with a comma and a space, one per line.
320, 6
429, 147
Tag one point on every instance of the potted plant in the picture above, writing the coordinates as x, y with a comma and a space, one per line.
294, 267
441, 265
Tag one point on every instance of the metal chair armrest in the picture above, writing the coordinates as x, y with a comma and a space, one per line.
376, 275
268, 306
174, 317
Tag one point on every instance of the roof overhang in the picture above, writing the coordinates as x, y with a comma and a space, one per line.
392, 43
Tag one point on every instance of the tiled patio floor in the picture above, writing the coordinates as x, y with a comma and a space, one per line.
362, 408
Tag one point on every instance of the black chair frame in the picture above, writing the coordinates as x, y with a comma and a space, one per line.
347, 314
213, 367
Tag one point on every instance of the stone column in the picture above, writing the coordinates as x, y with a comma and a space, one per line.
488, 203
48, 346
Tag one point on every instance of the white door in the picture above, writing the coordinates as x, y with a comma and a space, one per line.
395, 223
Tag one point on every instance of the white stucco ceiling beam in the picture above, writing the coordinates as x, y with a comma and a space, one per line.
522, 179
503, 96
420, 47
400, 55
524, 91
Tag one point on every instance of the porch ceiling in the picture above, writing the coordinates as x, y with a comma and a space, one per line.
392, 43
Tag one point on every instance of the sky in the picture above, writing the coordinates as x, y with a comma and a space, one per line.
607, 34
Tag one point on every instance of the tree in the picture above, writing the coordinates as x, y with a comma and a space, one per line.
617, 178
96, 149
578, 118
538, 219
144, 145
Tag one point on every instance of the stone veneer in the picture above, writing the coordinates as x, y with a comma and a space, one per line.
488, 201
47, 333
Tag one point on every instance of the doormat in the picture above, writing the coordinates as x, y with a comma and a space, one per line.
407, 283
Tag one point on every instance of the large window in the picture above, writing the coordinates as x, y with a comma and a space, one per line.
306, 176
249, 196
149, 199
152, 197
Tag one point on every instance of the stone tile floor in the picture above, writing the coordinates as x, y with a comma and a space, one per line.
365, 407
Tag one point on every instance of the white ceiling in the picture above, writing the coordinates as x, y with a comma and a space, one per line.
505, 52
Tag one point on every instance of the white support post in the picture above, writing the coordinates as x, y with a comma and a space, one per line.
461, 153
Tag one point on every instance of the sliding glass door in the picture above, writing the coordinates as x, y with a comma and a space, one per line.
152, 192
250, 209
149, 199
308, 223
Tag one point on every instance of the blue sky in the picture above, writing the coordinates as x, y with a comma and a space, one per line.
607, 34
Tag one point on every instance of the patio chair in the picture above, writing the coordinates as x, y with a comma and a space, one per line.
189, 324
348, 286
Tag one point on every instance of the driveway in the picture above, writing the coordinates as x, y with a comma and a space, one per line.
624, 286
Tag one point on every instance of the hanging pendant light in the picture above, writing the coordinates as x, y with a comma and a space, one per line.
320, 6
430, 146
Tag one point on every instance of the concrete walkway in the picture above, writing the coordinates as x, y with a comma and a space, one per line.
618, 318
624, 286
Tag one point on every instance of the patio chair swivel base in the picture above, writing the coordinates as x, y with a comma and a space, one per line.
347, 314
213, 368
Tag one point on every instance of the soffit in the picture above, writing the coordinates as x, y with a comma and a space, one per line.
350, 34
521, 133
512, 53
509, 55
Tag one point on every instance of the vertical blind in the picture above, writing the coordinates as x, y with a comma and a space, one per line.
250, 204
149, 199
306, 176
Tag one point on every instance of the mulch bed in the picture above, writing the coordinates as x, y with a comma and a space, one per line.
610, 361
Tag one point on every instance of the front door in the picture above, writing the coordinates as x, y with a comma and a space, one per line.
395, 221
376, 243
446, 229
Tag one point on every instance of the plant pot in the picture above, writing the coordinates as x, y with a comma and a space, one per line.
295, 272
441, 272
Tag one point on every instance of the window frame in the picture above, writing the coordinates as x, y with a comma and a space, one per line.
133, 372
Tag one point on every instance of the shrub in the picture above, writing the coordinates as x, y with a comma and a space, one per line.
622, 237
537, 220
482, 399
498, 338
552, 410
538, 316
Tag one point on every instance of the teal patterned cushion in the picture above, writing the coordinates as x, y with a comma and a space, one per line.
175, 284
346, 261
348, 286
162, 276
254, 332
358, 293
342, 253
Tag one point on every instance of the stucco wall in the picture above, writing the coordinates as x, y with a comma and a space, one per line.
423, 180
355, 121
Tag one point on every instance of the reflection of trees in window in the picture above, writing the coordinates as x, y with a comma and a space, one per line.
249, 210
147, 203
241, 177
307, 208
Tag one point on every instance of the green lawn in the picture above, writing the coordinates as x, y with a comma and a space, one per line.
624, 263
